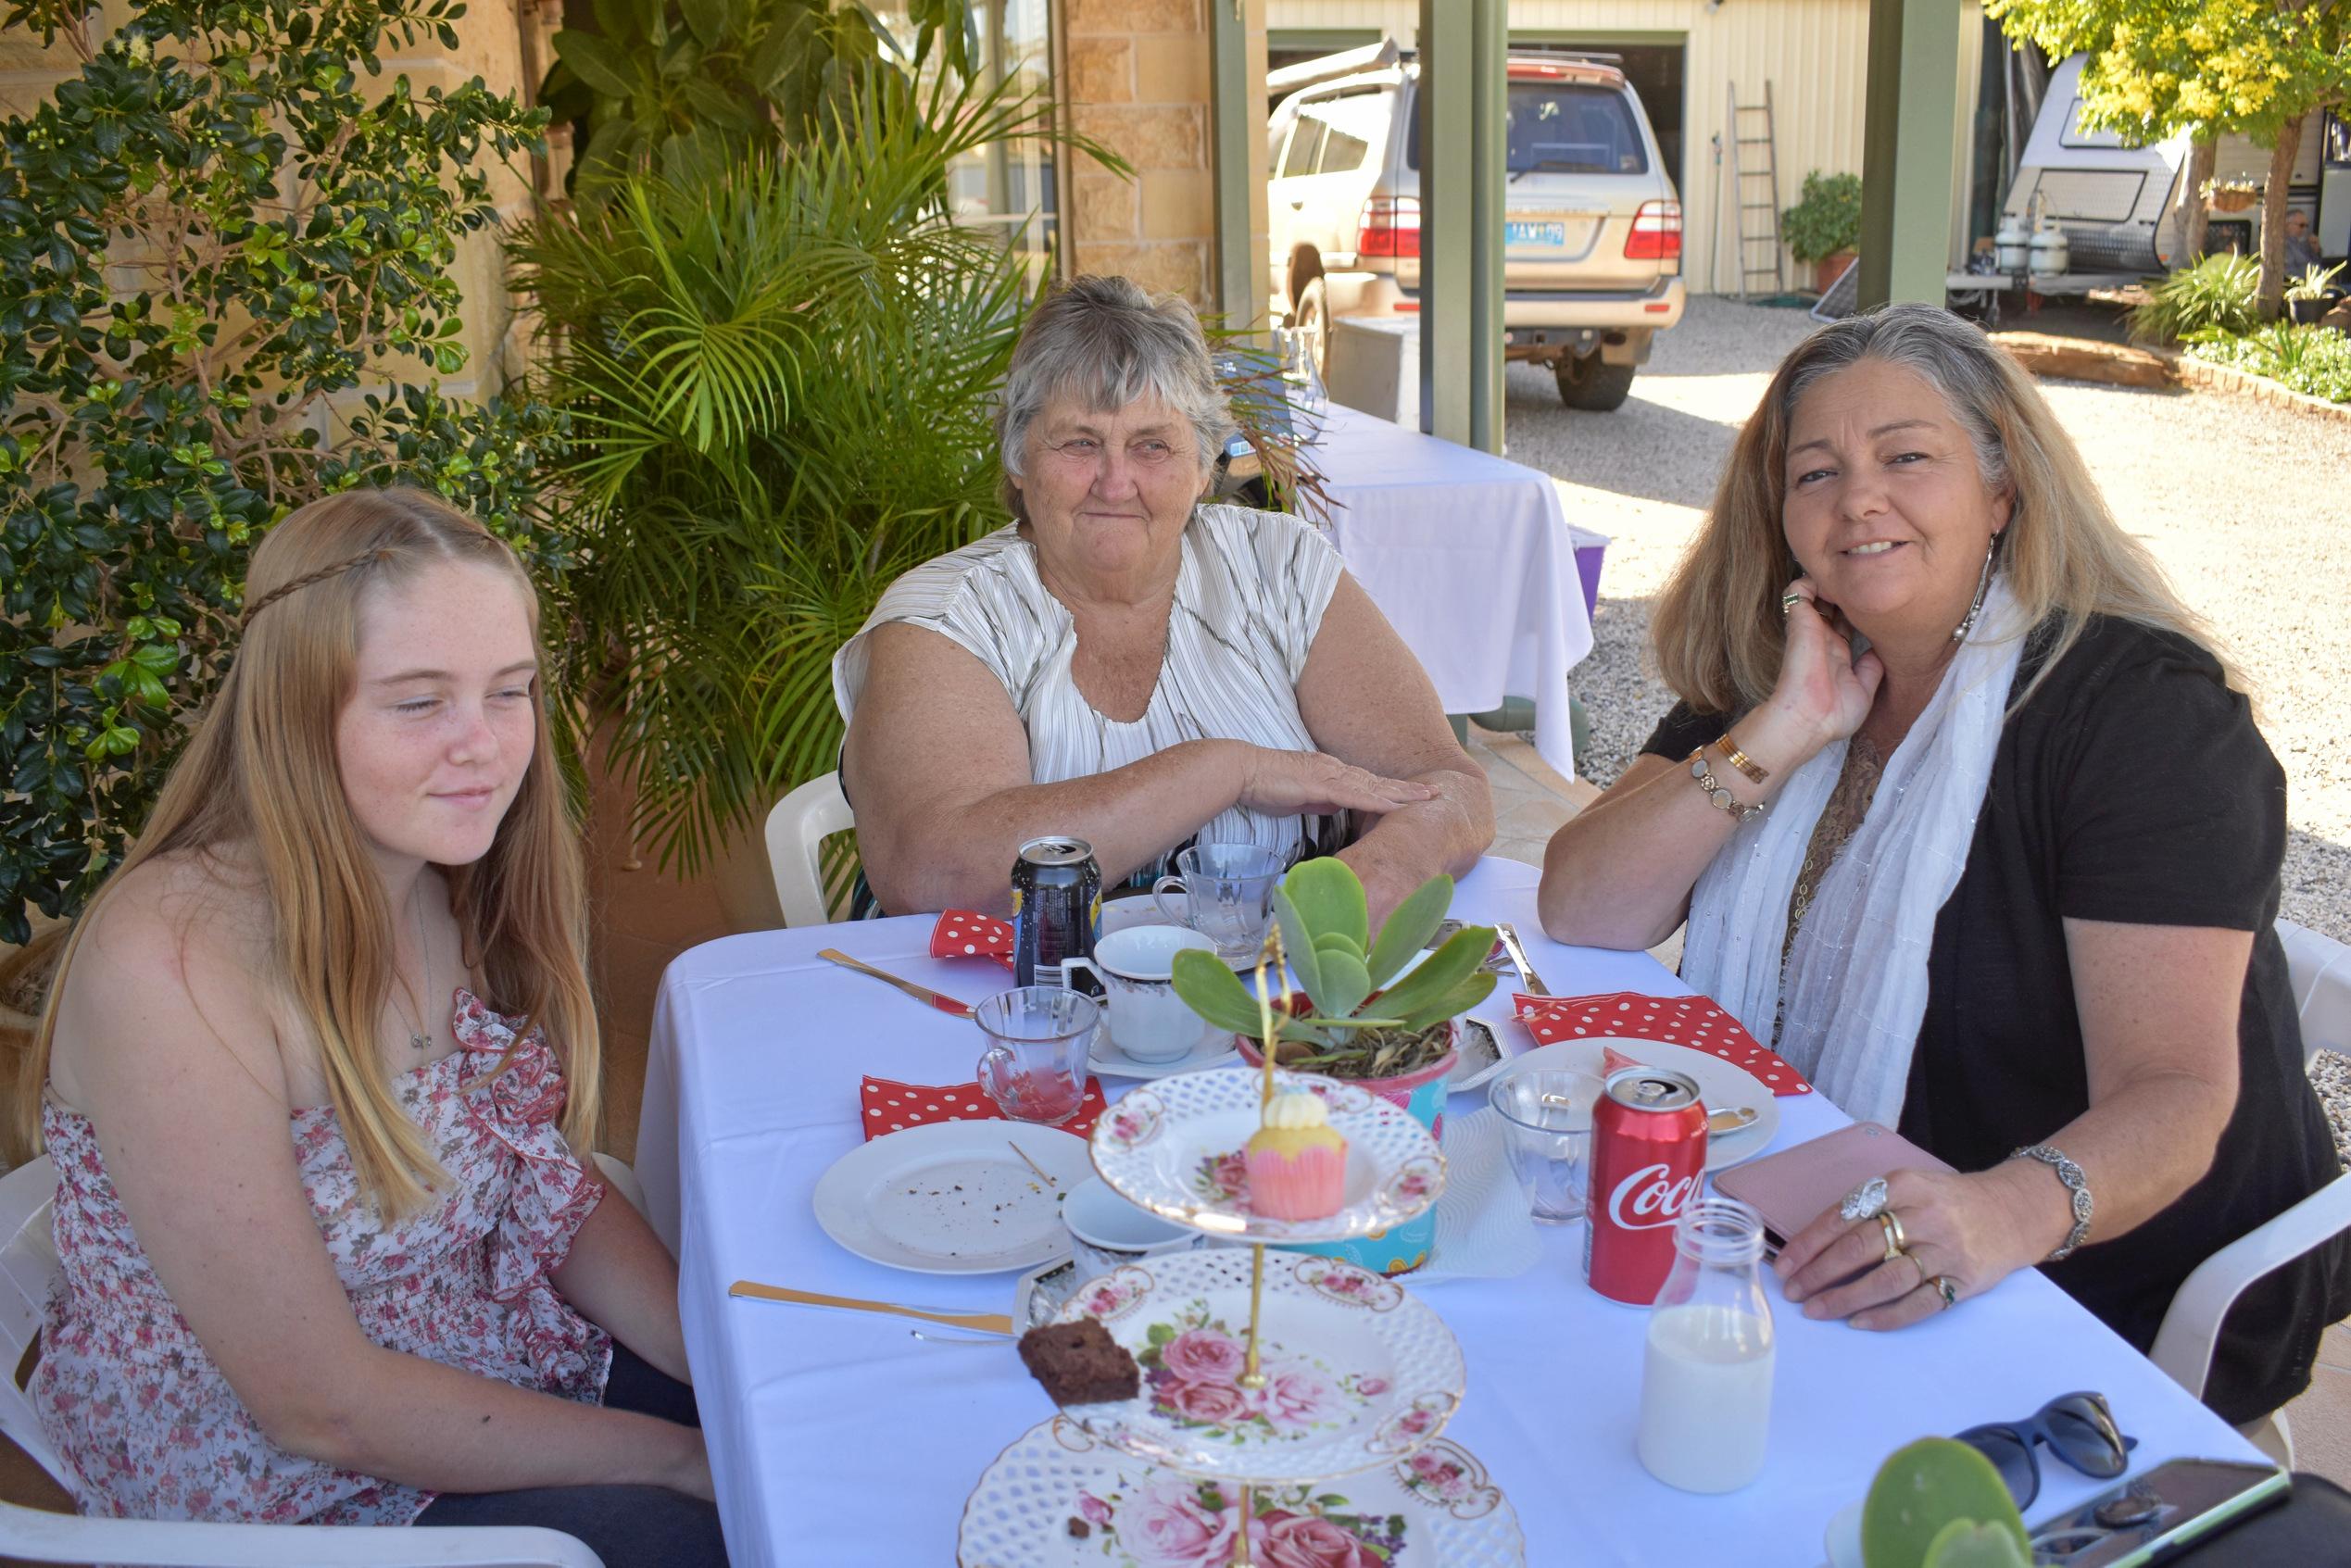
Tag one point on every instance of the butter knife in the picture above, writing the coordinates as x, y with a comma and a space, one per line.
920, 992
978, 1322
1529, 980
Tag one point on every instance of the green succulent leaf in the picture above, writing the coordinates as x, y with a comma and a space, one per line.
1298, 947
1345, 982
1409, 927
1330, 897
1449, 982
1215, 992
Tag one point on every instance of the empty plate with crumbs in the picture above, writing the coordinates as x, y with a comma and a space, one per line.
953, 1198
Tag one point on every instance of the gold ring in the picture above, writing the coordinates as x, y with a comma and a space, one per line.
1891, 1228
1948, 1289
1789, 601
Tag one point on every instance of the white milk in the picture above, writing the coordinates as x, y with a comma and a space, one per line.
1706, 1397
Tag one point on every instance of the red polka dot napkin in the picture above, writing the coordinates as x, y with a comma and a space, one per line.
1694, 1021
892, 1106
960, 934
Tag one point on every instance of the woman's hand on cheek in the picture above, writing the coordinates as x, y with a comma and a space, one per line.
1823, 693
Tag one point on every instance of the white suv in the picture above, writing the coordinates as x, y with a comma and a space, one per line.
1591, 260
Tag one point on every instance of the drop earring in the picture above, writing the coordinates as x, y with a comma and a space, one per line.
1983, 586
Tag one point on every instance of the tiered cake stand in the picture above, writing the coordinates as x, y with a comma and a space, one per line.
1268, 1378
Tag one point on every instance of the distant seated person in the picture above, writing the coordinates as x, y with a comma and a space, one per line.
316, 1073
1131, 665
2301, 246
1971, 821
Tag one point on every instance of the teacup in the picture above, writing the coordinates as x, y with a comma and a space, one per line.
1147, 1019
1033, 1067
1228, 894
1106, 1231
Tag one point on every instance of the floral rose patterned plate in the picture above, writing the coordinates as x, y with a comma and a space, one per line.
1171, 1147
1058, 1498
1357, 1373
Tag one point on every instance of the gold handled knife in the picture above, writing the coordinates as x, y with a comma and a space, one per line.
920, 992
978, 1322
1528, 980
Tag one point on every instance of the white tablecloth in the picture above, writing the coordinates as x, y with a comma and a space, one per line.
837, 1439
1469, 557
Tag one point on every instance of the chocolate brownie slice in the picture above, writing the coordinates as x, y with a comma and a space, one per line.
1079, 1363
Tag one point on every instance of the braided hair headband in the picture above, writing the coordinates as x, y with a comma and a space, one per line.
336, 570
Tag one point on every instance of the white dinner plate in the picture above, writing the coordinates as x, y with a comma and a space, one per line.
952, 1198
1721, 1085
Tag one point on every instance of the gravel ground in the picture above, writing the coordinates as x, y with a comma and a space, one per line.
2238, 500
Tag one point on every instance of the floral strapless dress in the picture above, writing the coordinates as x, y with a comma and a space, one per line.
150, 1428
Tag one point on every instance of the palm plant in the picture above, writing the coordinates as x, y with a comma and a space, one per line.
779, 370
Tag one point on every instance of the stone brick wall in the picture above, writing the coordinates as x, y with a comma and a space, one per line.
1138, 83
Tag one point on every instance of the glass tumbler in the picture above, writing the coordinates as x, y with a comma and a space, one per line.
1038, 1038
1228, 896
1706, 1381
1546, 1116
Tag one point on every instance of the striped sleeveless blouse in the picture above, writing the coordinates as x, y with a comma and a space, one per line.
1250, 597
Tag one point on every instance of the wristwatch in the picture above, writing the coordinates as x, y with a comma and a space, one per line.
2076, 1183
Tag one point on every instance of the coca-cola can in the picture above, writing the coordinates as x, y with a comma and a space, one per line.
1648, 1164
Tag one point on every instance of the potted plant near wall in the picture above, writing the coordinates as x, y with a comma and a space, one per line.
1363, 1013
1824, 225
2308, 297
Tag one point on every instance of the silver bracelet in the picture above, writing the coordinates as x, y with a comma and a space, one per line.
1715, 790
2076, 1183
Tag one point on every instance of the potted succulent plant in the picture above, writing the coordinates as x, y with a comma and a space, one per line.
1347, 1020
1937, 1504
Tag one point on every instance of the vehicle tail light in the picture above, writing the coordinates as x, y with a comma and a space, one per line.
1389, 226
1656, 232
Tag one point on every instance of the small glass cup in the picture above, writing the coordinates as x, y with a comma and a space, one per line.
1546, 1117
1039, 1037
1228, 894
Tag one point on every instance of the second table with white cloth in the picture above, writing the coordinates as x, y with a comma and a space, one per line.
1469, 557
838, 1438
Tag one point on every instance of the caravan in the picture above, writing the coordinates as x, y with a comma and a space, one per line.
2120, 210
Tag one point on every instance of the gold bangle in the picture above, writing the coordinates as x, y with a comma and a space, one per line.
1739, 759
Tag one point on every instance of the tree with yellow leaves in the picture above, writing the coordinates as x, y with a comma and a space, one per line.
2158, 67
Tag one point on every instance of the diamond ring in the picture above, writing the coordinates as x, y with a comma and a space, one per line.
1864, 1201
1948, 1289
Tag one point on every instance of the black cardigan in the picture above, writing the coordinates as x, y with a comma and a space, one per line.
2133, 787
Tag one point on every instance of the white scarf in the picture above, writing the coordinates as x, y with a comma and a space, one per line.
1856, 977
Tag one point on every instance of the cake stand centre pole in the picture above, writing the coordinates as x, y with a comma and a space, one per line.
1252, 1378
1241, 1533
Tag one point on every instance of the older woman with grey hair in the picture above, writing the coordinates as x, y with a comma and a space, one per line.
1131, 665
1968, 816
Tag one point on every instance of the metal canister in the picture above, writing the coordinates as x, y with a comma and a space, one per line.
1648, 1164
1057, 904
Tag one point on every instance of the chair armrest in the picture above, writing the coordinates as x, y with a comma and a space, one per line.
2192, 1326
32, 1534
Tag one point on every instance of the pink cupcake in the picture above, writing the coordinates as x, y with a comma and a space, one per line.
1297, 1161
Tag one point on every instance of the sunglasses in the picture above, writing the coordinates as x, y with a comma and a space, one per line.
2078, 1428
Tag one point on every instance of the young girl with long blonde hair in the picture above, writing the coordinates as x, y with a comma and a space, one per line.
319, 1073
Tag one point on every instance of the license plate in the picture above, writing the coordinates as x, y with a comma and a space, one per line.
1551, 235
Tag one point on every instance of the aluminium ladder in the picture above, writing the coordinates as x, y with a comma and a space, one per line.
1755, 190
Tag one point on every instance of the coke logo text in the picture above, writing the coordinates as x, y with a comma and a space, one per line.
1648, 1198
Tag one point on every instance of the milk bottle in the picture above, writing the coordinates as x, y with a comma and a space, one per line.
1706, 1385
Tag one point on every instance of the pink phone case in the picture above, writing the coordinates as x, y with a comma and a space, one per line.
1792, 1187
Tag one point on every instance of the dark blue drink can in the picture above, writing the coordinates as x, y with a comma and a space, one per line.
1057, 903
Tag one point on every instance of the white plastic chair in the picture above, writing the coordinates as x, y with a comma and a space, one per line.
26, 1265
797, 828
2320, 972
